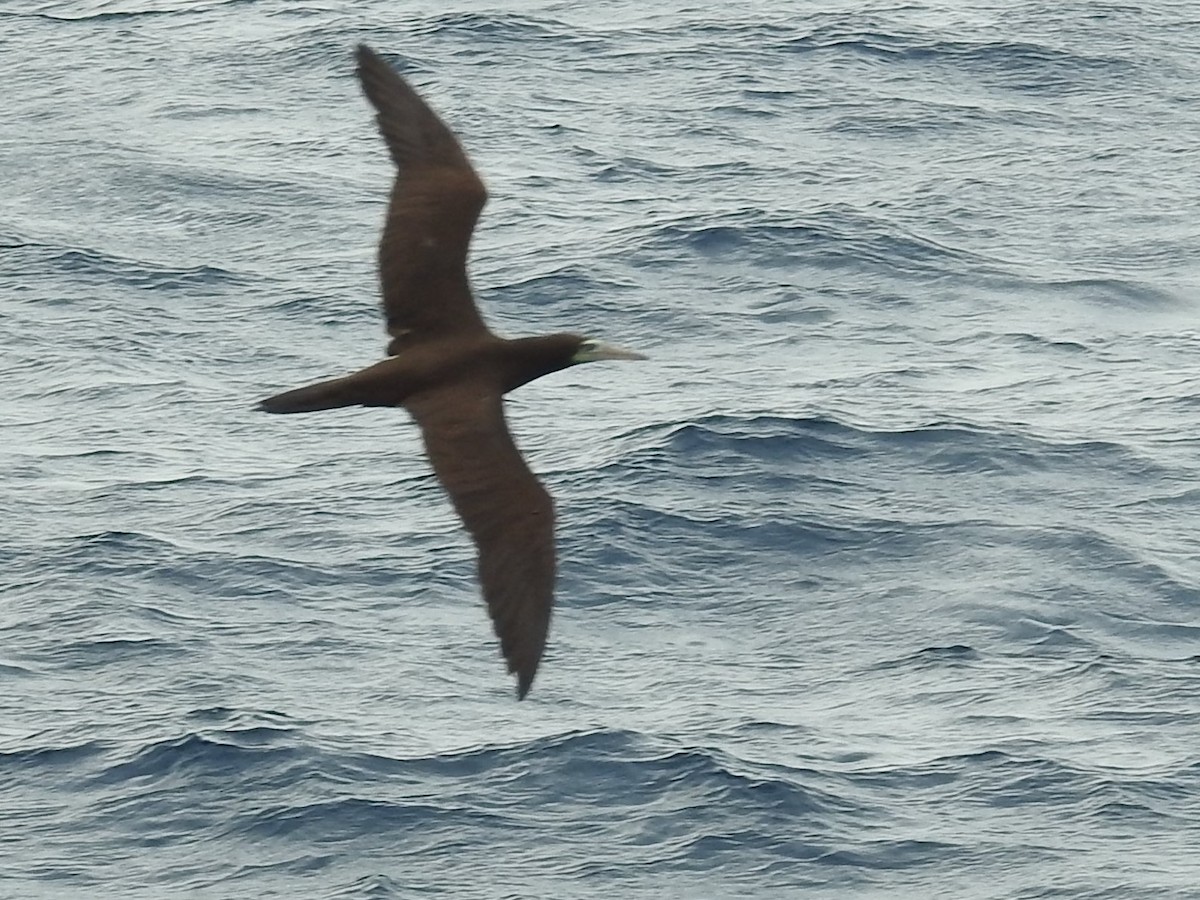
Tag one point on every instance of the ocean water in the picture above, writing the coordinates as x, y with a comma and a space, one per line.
880, 579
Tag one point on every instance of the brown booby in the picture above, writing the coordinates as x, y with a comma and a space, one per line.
451, 372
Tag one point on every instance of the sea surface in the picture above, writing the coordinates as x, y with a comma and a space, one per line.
881, 579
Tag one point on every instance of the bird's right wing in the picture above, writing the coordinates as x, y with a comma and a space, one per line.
436, 199
506, 510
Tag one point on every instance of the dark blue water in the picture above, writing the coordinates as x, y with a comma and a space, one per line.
881, 579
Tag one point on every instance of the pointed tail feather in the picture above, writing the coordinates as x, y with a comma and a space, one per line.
325, 395
370, 387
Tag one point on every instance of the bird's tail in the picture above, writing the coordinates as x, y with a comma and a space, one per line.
370, 387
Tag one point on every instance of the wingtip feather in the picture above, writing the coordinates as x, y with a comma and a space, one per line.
524, 683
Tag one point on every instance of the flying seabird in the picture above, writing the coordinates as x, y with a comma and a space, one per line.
451, 372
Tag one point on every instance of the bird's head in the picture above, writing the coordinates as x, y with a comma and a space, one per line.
591, 350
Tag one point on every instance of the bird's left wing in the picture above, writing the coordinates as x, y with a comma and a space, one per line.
504, 507
436, 199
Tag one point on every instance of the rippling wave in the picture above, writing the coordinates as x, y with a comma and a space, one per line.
879, 579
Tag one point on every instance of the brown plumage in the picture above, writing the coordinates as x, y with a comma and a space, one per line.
450, 372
